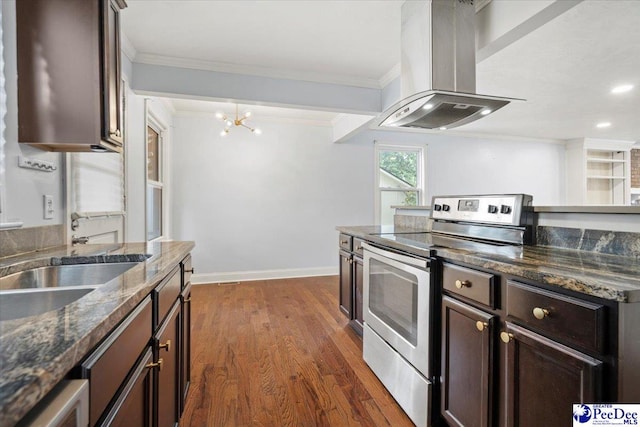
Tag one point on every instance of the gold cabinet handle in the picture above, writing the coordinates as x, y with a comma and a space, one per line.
481, 326
344, 242
359, 248
506, 337
166, 345
158, 365
350, 260
116, 133
540, 313
187, 300
190, 271
463, 284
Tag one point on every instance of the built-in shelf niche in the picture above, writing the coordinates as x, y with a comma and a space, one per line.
598, 172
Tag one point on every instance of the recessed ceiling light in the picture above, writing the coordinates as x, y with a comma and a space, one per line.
443, 128
485, 112
427, 106
622, 89
603, 125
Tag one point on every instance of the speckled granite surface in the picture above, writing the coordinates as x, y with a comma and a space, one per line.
38, 351
611, 277
605, 242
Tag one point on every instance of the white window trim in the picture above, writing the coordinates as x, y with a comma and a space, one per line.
152, 120
422, 175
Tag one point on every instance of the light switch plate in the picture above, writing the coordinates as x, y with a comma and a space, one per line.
48, 206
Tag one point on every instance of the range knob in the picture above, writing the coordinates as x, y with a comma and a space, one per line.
437, 208
493, 209
505, 209
446, 208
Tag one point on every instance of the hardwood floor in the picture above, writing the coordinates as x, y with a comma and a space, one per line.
280, 353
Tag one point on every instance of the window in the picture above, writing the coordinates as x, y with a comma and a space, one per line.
155, 185
399, 178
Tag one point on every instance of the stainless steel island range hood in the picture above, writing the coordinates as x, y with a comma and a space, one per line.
438, 68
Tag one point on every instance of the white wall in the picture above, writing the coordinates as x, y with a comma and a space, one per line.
22, 189
269, 202
462, 165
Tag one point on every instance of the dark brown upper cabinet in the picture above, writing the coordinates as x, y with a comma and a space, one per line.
69, 81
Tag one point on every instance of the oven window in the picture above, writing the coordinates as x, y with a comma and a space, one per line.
393, 298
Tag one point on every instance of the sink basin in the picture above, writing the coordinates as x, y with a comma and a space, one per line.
25, 303
65, 275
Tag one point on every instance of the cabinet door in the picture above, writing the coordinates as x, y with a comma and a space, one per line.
112, 129
358, 285
467, 362
544, 379
167, 341
134, 405
185, 346
346, 283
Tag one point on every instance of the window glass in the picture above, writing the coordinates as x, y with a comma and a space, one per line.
153, 154
400, 179
154, 212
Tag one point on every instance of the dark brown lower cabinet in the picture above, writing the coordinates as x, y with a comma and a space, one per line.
358, 289
134, 406
346, 284
544, 379
467, 364
166, 342
185, 347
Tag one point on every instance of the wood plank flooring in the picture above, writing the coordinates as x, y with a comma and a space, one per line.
280, 353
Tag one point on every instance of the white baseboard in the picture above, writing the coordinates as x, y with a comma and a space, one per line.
243, 276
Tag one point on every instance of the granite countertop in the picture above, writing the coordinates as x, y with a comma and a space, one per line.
611, 277
37, 352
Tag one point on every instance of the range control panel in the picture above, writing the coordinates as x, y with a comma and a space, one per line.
499, 209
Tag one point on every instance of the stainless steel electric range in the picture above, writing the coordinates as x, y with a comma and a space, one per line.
400, 293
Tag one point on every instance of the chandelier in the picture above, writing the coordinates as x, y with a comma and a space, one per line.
238, 121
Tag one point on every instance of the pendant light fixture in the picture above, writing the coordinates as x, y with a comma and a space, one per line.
238, 121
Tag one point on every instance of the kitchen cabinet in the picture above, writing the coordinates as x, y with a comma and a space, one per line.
520, 354
185, 337
69, 74
544, 378
351, 280
139, 375
166, 345
598, 172
467, 364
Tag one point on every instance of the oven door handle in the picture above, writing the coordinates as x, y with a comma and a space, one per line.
416, 262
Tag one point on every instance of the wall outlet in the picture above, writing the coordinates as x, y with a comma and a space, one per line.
48, 206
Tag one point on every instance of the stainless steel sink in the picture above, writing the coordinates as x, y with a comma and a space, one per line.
24, 303
65, 276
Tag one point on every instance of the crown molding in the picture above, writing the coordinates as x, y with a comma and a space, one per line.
390, 75
257, 118
127, 47
223, 67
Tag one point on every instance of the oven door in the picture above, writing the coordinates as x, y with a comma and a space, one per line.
396, 303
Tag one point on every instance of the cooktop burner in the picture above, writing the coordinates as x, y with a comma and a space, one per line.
427, 241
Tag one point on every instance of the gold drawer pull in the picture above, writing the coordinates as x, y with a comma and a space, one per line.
463, 284
155, 365
481, 325
187, 300
506, 337
116, 133
359, 248
166, 345
344, 242
190, 271
540, 313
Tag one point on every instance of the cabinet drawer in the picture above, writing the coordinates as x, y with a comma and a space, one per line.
187, 271
108, 366
165, 294
568, 319
475, 285
357, 246
345, 242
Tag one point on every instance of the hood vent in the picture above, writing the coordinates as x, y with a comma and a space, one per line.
438, 68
